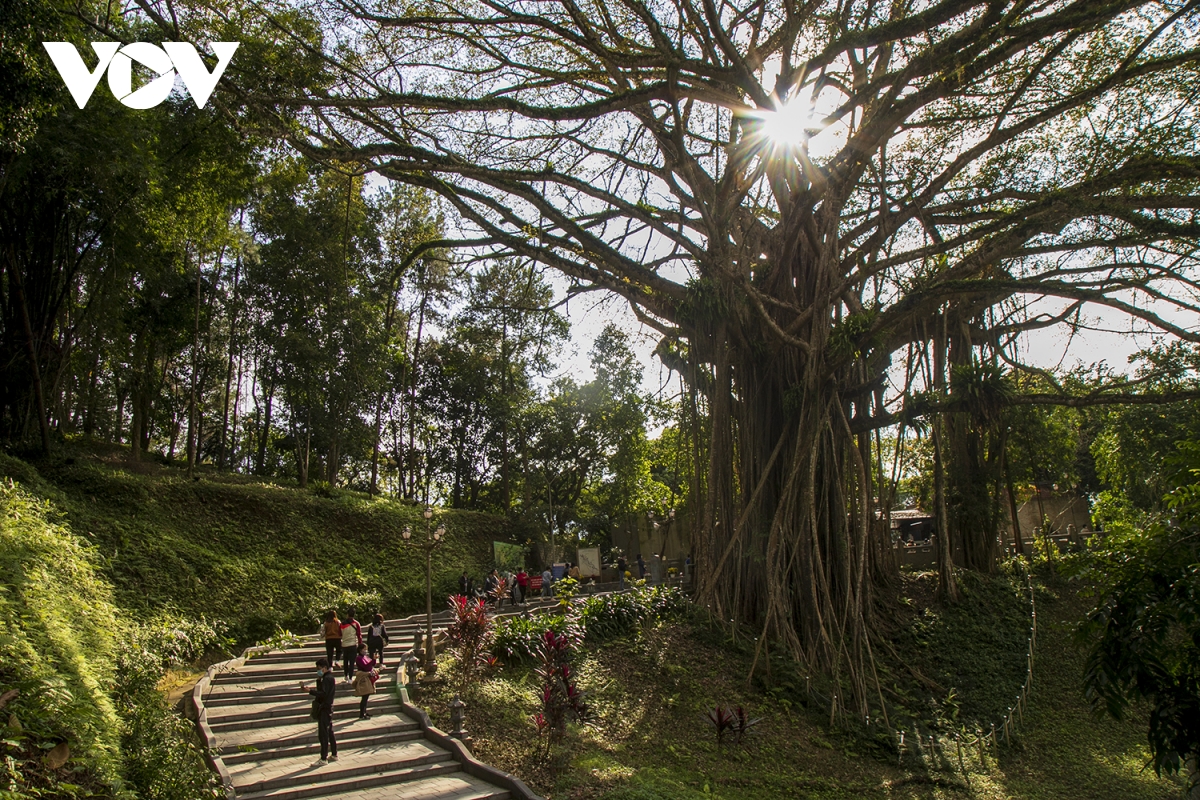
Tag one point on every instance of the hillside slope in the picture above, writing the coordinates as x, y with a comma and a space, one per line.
253, 555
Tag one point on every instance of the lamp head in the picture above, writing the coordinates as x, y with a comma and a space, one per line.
407, 532
428, 513
440, 532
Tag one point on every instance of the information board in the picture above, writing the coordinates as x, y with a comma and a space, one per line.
589, 562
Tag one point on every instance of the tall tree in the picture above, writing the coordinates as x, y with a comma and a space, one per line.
321, 321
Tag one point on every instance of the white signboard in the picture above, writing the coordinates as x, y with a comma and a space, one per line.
589, 562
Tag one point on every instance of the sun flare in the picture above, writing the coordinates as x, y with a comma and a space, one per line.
786, 125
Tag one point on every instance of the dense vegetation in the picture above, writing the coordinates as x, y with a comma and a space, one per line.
651, 688
79, 679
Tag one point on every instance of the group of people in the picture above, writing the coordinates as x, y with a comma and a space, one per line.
361, 654
516, 586
496, 586
360, 650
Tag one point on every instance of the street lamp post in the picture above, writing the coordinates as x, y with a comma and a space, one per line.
433, 538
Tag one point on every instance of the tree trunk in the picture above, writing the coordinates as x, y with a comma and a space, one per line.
260, 466
303, 451
222, 460
793, 557
414, 371
138, 390
1012, 507
191, 417
31, 352
947, 585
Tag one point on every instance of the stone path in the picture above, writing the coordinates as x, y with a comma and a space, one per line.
263, 743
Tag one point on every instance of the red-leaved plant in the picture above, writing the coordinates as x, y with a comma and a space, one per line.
731, 719
562, 700
470, 633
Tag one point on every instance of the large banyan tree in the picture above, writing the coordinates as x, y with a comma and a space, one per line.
838, 214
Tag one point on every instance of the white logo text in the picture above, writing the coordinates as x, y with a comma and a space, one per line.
165, 61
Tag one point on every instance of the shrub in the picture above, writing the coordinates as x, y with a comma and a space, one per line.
57, 628
517, 638
162, 758
562, 699
79, 695
469, 632
609, 616
731, 720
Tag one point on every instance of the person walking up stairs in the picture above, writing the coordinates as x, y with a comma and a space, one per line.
322, 711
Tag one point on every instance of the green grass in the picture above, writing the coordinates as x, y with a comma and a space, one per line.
651, 742
254, 555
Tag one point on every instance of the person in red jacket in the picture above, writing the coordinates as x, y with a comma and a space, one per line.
522, 585
351, 639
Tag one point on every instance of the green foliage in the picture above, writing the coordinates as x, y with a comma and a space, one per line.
163, 760
851, 338
972, 653
981, 389
565, 589
56, 647
1144, 630
1127, 445
517, 638
704, 302
609, 616
255, 556
598, 618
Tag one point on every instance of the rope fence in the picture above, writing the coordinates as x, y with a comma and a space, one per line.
968, 749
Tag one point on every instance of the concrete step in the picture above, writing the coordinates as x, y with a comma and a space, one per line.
252, 672
280, 773
266, 739
230, 694
454, 786
298, 703
348, 741
305, 732
308, 654
347, 710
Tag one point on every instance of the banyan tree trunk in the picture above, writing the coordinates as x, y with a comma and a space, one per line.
787, 542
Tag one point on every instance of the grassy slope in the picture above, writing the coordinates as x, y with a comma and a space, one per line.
651, 742
253, 554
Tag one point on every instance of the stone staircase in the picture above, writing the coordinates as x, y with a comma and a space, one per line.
254, 719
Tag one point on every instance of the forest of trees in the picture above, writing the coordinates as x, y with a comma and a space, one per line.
205, 297
207, 301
